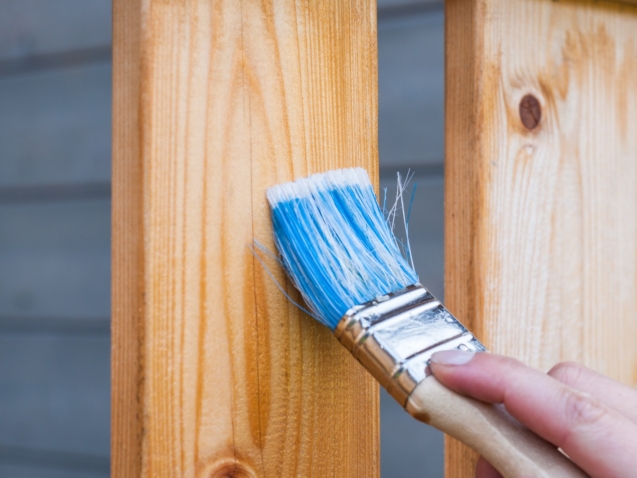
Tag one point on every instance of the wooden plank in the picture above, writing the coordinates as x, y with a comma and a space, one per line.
541, 223
33, 27
411, 89
54, 405
55, 126
214, 372
55, 260
127, 289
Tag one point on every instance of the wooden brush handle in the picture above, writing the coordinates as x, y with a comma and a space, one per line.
509, 446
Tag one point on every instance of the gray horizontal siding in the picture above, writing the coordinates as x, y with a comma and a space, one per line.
11, 470
55, 126
411, 90
55, 259
54, 398
409, 448
425, 227
405, 7
411, 137
31, 28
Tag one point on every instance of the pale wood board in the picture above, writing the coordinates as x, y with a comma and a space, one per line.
541, 224
215, 373
127, 253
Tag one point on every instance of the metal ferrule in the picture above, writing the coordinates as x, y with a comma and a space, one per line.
394, 336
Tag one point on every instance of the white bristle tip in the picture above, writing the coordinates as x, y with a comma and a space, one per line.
316, 183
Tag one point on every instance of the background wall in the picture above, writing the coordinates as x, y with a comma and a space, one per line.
411, 137
55, 114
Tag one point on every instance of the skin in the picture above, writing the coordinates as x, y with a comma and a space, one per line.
592, 418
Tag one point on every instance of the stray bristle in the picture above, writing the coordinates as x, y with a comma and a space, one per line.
335, 243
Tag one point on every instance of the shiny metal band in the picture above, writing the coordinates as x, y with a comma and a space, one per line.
394, 336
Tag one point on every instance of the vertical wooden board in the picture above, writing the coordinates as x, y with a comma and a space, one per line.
541, 223
127, 253
231, 378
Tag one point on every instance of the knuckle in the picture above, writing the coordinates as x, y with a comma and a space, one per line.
583, 415
582, 409
568, 373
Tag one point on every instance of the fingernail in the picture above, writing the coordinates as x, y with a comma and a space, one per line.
452, 357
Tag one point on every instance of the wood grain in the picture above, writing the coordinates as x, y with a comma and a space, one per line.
214, 372
541, 224
127, 251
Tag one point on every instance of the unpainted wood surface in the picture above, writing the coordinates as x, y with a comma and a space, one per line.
541, 224
127, 253
215, 373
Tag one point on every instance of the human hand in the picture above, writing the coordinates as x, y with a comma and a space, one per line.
592, 418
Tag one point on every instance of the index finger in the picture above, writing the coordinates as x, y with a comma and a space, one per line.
594, 436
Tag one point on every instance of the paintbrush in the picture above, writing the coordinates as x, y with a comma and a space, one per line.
338, 250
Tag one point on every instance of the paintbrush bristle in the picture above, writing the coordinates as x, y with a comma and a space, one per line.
335, 244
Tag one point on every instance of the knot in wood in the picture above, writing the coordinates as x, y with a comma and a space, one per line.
530, 112
228, 469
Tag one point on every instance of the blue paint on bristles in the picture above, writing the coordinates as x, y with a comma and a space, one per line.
334, 242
